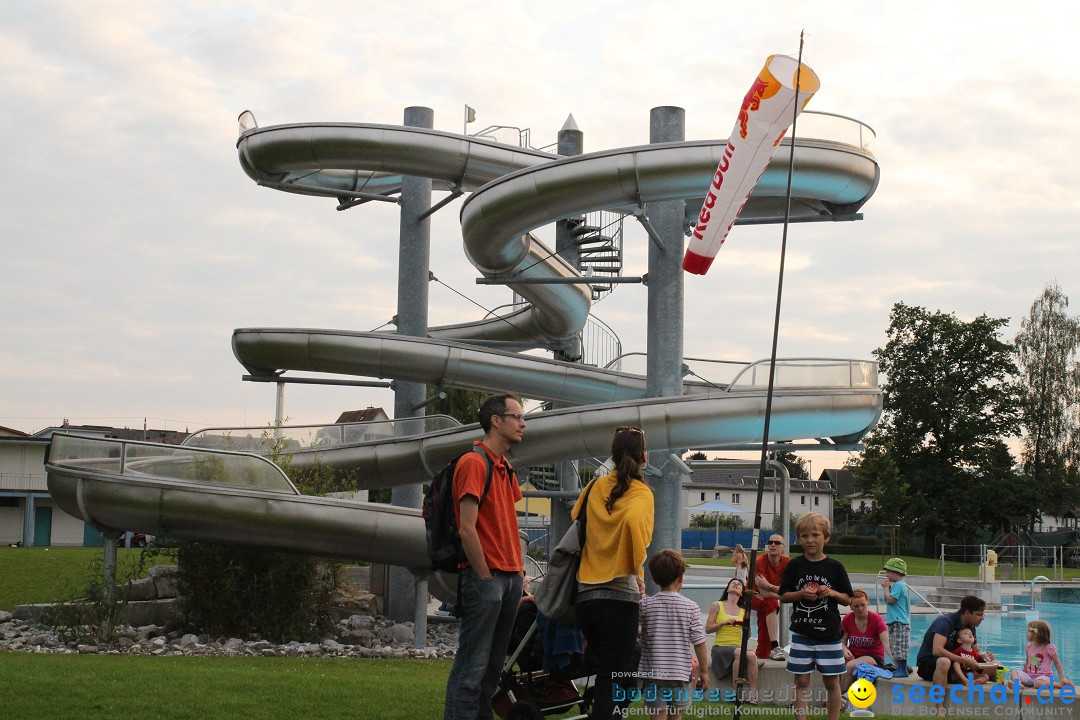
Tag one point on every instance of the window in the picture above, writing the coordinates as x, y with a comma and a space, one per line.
816, 499
702, 497
802, 499
716, 496
735, 498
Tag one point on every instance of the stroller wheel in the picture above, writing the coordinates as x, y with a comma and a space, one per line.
524, 710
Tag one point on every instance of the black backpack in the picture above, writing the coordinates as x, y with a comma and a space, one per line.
443, 542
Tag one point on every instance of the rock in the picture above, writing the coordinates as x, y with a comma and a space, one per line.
358, 637
5, 616
356, 622
234, 644
189, 641
141, 589
88, 649
400, 633
349, 601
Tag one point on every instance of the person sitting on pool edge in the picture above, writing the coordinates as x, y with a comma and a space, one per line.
934, 660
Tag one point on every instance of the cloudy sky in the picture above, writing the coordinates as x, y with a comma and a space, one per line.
133, 244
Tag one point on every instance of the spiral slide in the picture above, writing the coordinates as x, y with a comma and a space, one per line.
228, 497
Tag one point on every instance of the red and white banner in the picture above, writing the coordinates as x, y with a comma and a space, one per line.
766, 114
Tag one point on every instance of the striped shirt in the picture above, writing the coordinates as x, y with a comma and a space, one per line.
670, 625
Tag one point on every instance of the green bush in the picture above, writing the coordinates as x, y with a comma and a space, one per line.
241, 592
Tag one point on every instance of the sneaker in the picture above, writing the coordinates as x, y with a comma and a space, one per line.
777, 654
844, 704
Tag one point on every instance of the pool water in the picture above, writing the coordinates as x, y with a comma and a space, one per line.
1005, 634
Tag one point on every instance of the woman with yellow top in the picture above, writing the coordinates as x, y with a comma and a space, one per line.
618, 529
726, 618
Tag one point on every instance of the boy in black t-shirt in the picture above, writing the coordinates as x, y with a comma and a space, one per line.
815, 585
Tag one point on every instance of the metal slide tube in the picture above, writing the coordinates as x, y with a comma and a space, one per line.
700, 421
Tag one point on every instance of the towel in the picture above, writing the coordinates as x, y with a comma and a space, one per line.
561, 643
866, 671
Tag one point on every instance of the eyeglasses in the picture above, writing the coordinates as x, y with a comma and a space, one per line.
517, 416
776, 542
630, 428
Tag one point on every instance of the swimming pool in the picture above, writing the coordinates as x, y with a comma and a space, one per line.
1005, 634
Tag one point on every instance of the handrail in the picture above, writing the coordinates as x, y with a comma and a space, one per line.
262, 439
1034, 580
877, 589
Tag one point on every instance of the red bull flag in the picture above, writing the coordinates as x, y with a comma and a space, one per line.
766, 114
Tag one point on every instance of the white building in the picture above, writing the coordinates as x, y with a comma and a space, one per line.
738, 487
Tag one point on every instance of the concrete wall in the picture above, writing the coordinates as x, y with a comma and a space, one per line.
11, 522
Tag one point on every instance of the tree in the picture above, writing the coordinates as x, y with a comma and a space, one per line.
795, 465
1047, 349
460, 404
696, 455
949, 402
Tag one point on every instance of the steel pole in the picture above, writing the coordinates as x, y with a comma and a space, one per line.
404, 593
665, 331
571, 142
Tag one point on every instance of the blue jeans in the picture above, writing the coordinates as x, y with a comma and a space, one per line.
488, 609
611, 629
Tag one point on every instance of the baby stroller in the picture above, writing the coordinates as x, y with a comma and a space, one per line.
526, 691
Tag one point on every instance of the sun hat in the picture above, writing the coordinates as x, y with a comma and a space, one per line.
897, 565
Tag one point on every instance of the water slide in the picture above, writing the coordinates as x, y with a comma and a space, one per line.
221, 496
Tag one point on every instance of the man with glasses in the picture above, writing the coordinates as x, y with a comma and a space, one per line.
767, 571
491, 579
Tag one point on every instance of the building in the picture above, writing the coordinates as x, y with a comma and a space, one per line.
738, 487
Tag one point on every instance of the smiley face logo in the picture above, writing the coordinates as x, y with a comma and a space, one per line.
862, 693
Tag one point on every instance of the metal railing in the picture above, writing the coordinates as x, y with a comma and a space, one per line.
818, 125
24, 482
808, 373
290, 438
137, 459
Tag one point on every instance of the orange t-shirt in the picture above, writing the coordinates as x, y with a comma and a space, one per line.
763, 568
496, 521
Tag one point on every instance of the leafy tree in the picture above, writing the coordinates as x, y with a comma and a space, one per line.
708, 521
949, 402
697, 455
1047, 348
460, 404
796, 466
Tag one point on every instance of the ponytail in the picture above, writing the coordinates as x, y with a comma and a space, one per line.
628, 452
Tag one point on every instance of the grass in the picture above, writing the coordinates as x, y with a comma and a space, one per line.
120, 687
37, 575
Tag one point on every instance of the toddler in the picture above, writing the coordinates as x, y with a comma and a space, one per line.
965, 641
1042, 659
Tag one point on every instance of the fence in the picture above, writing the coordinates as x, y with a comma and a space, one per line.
1014, 562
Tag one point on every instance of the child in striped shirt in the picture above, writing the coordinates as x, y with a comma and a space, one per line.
670, 627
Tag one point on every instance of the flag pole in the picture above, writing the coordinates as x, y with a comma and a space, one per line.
755, 541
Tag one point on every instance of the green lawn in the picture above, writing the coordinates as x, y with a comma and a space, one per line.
122, 687
36, 575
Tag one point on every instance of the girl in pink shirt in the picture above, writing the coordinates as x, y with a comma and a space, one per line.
1042, 659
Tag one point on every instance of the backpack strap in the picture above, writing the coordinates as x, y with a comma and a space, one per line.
583, 515
490, 471
511, 474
